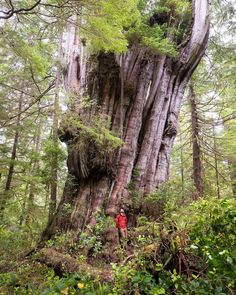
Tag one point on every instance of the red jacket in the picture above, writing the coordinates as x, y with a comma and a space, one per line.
121, 221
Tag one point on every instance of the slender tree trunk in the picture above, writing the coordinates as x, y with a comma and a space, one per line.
23, 207
5, 194
216, 165
55, 139
197, 163
28, 201
145, 99
232, 168
54, 164
182, 168
27, 213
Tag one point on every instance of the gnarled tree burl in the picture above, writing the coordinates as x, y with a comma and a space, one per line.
141, 91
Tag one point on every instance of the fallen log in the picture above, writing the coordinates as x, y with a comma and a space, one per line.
64, 263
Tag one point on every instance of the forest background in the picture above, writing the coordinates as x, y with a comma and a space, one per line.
183, 239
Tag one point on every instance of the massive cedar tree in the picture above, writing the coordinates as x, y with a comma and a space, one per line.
141, 92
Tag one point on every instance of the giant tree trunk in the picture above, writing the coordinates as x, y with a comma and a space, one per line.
140, 91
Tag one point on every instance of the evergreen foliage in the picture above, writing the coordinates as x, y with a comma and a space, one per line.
175, 245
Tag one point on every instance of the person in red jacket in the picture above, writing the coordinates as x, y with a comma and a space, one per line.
121, 223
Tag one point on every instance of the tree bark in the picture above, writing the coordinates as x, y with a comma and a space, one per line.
147, 98
196, 149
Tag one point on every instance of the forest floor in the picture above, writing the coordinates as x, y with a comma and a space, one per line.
190, 251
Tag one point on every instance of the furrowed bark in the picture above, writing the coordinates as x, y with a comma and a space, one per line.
145, 101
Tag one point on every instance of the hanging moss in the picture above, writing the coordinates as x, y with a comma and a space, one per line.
92, 144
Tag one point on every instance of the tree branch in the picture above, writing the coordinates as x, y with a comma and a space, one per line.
30, 105
13, 11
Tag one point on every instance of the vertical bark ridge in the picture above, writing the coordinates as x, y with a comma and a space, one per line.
151, 128
89, 202
157, 74
149, 183
162, 167
128, 151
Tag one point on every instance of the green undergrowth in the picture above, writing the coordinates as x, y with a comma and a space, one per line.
37, 279
192, 250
